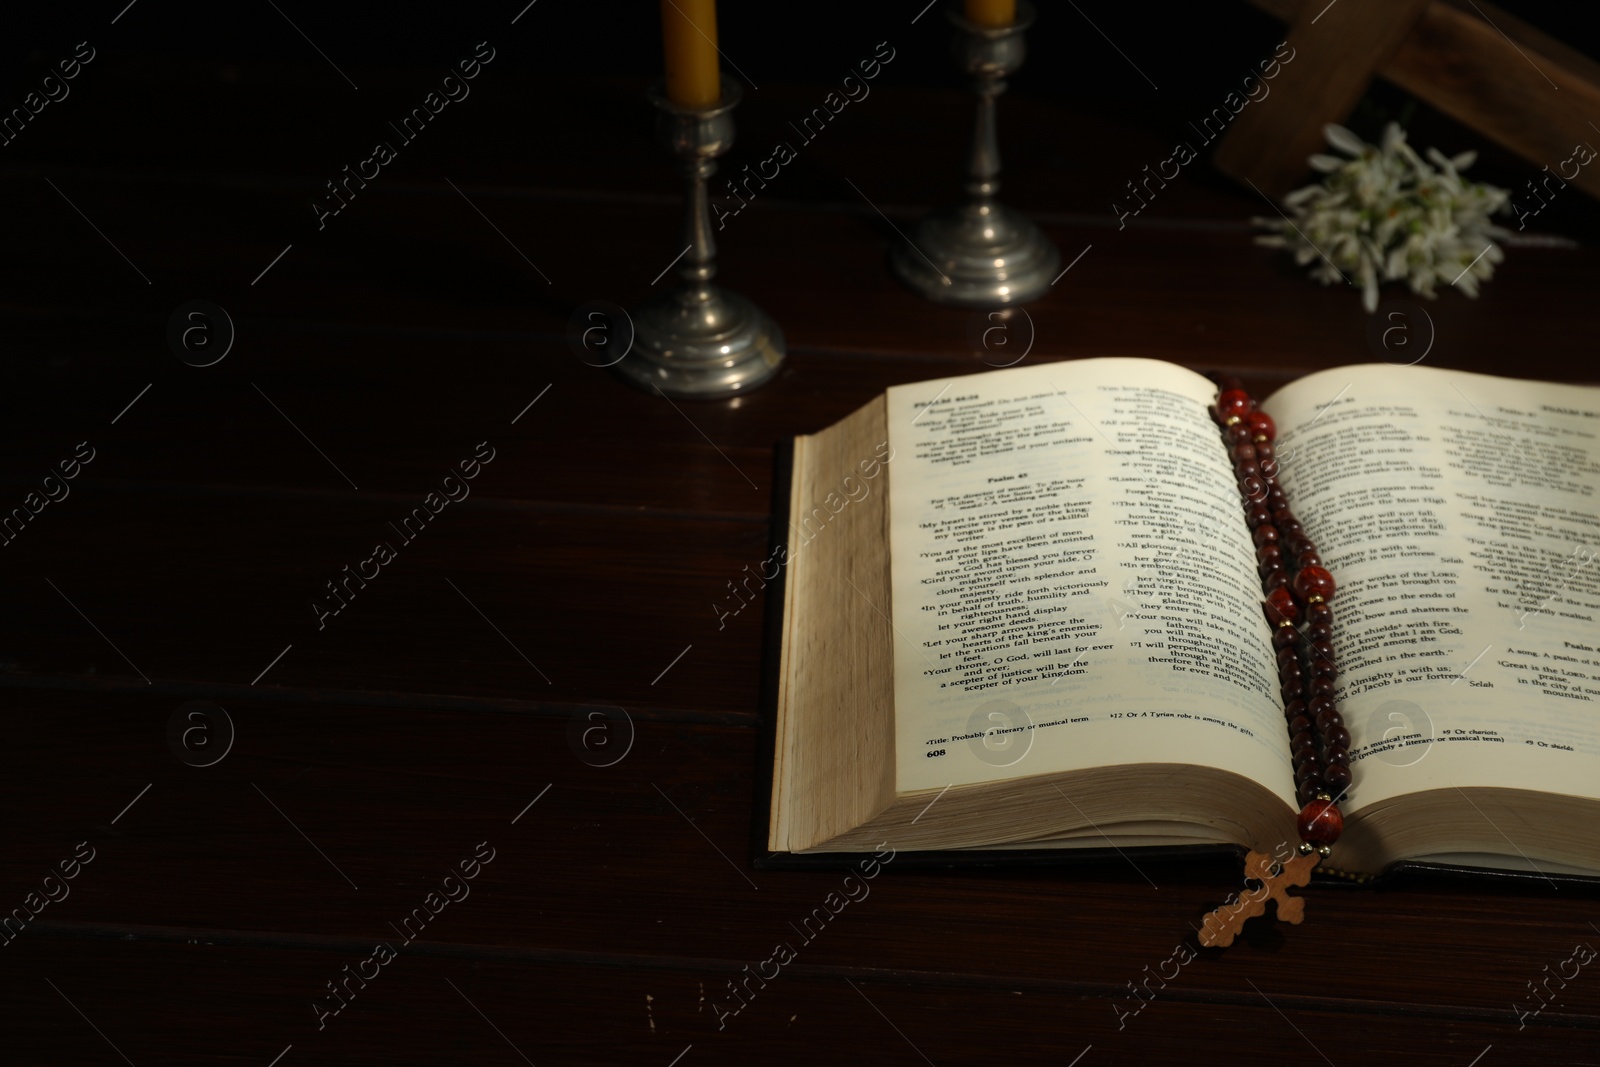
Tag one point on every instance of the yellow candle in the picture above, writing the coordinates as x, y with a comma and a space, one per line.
689, 35
991, 12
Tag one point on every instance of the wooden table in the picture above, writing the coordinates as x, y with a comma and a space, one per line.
375, 748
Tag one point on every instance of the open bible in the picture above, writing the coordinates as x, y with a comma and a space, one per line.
1022, 611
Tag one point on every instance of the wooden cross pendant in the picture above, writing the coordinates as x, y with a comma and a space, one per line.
1223, 925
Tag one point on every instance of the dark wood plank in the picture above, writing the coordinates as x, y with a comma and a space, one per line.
363, 809
245, 1004
591, 610
423, 260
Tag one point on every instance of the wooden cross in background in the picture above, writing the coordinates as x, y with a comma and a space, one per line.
1474, 62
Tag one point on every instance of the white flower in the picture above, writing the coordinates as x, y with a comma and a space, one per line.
1383, 213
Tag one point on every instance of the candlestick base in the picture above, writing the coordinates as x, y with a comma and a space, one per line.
976, 255
702, 344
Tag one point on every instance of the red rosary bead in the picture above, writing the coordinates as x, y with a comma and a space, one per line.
1337, 776
1280, 607
1234, 403
1313, 582
1262, 428
1320, 822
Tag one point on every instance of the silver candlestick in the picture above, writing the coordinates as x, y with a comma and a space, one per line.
980, 253
699, 340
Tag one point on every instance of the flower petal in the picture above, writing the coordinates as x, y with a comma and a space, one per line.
1343, 139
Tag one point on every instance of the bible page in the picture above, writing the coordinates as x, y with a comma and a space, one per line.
1460, 516
1074, 584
